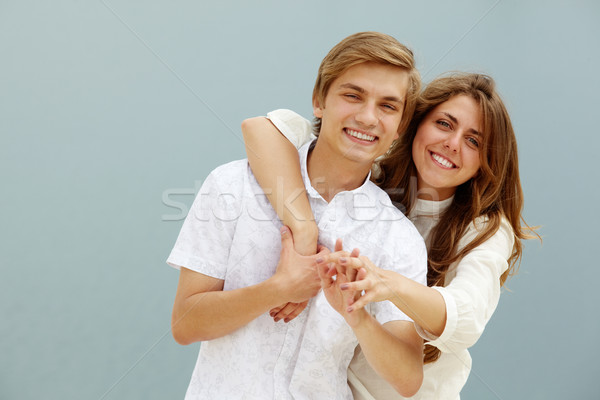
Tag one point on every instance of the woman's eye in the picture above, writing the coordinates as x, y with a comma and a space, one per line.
443, 123
473, 141
389, 107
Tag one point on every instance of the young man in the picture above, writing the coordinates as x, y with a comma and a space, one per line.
229, 248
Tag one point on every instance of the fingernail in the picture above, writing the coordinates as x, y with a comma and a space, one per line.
349, 309
286, 320
343, 259
344, 286
283, 230
319, 260
272, 314
277, 319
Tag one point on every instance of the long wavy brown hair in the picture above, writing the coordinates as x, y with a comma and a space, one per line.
494, 192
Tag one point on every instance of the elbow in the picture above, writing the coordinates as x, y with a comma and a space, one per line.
185, 334
181, 339
468, 334
250, 126
409, 386
408, 382
179, 334
470, 341
412, 390
182, 334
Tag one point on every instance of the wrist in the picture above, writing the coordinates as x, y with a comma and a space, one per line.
276, 287
305, 235
394, 283
361, 322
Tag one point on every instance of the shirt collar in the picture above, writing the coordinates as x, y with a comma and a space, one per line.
430, 207
312, 192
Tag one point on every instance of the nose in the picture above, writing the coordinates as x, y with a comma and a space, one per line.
452, 142
368, 115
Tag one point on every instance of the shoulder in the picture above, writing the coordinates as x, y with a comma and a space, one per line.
480, 224
234, 187
388, 212
231, 169
231, 176
381, 196
226, 186
502, 241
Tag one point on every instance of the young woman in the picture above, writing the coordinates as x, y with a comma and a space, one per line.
455, 173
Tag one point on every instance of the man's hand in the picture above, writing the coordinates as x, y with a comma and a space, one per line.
289, 311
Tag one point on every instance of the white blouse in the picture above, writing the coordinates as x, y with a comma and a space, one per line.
471, 292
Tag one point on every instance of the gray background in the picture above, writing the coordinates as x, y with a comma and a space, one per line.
111, 113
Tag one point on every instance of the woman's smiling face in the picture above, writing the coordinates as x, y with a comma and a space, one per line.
446, 147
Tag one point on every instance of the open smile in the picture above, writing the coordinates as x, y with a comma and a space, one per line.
361, 136
442, 161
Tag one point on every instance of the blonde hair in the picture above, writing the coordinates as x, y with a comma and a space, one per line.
494, 192
368, 47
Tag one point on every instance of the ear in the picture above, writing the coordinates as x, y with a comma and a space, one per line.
317, 109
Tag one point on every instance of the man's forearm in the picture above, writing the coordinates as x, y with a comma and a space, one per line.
213, 314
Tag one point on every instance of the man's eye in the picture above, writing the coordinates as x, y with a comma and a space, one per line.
351, 96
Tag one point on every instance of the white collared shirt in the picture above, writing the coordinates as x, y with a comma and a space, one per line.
232, 233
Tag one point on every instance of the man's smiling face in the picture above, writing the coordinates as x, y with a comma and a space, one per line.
362, 111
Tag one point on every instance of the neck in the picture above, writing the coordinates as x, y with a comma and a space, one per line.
330, 174
429, 193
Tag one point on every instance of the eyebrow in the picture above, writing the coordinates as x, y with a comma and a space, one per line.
453, 119
362, 91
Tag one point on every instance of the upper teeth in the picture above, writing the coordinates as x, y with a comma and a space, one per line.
360, 135
442, 161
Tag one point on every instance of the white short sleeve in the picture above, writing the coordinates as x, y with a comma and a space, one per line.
205, 238
297, 129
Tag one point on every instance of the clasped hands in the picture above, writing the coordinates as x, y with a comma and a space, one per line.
349, 281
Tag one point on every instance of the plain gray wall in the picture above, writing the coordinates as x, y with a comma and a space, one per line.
112, 110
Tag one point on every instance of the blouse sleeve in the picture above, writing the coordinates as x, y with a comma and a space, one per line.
294, 127
472, 295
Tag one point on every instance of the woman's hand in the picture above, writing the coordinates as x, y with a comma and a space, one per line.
360, 275
338, 298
